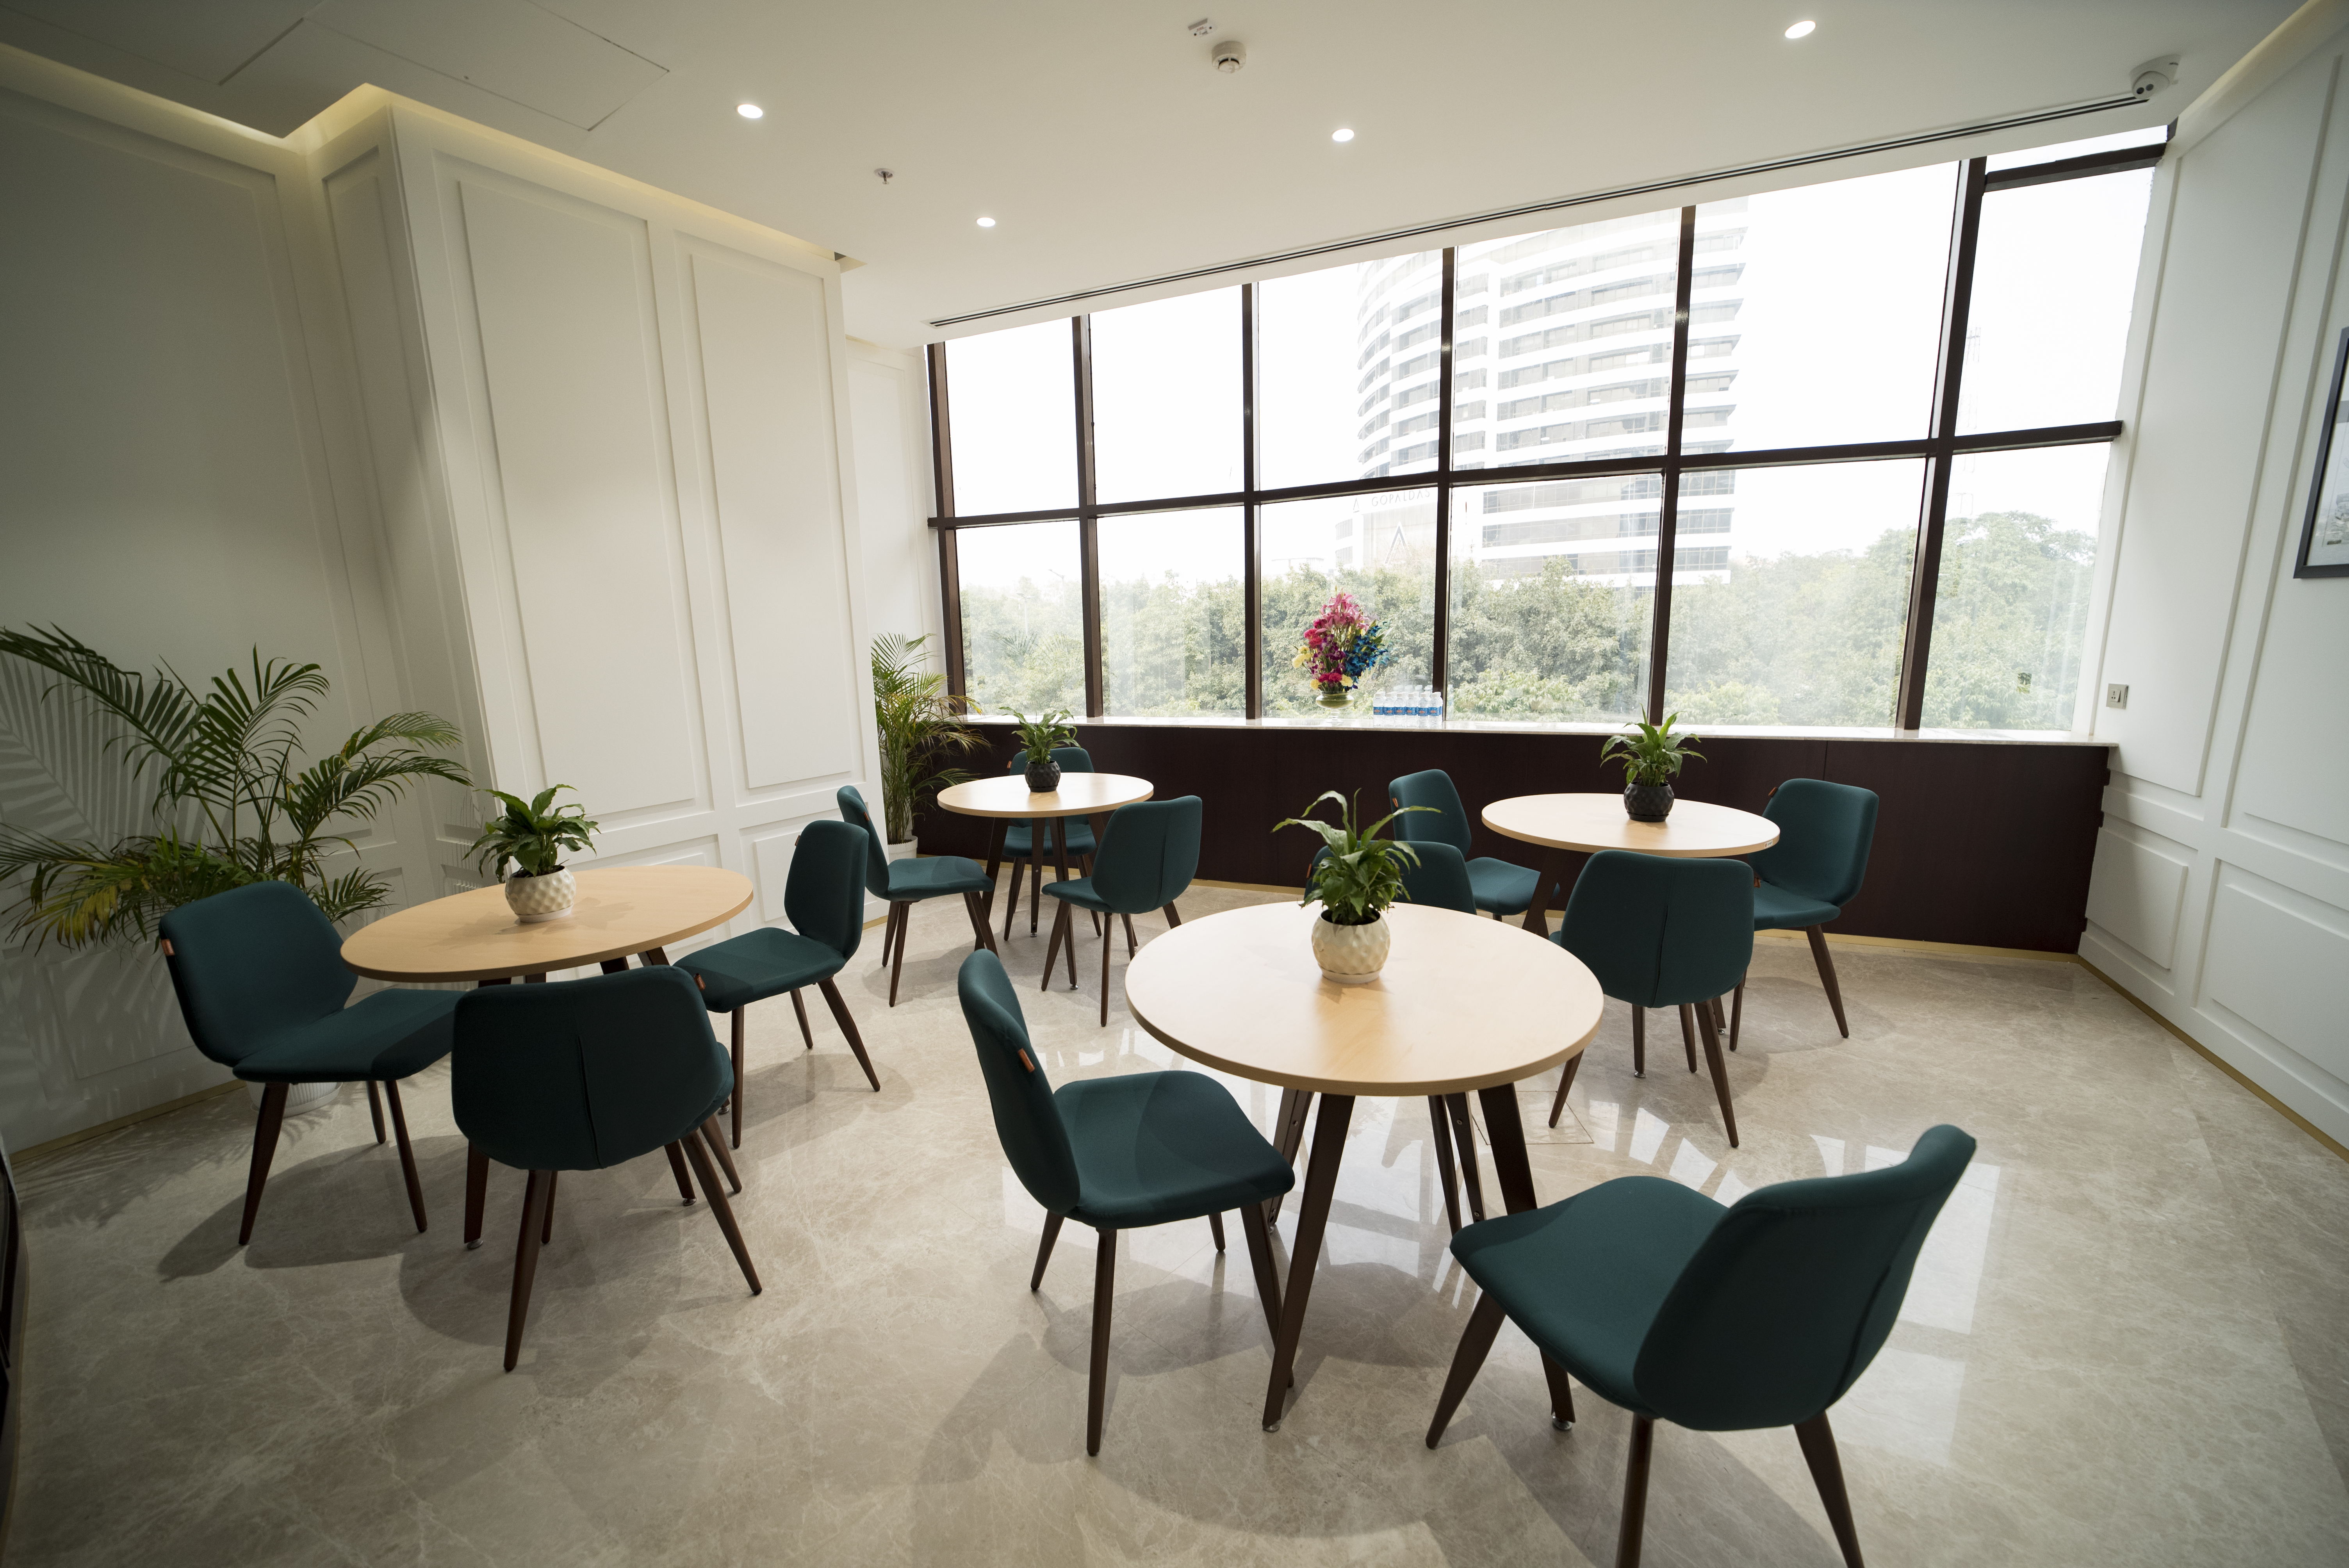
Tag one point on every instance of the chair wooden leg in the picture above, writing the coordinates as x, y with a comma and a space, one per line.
1104, 1287
1107, 946
799, 1007
1688, 1033
1011, 896
1639, 1041
1720, 1072
407, 1151
1736, 1011
375, 1108
735, 1100
898, 959
1216, 1224
1260, 1246
546, 1227
1132, 946
264, 1150
1044, 1250
716, 1142
1564, 1082
1053, 948
831, 999
1464, 1140
1174, 916
719, 1207
1036, 888
1818, 936
1068, 941
676, 1169
889, 932
477, 1192
1475, 1344
535, 1196
1443, 1172
1635, 1492
1826, 1470
1085, 866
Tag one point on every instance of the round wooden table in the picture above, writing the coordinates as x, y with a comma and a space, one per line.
1584, 824
620, 911
1007, 798
1464, 1004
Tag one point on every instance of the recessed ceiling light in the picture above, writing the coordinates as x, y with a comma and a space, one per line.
1801, 29
750, 111
1341, 136
987, 223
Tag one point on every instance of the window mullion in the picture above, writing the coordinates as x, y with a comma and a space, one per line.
1442, 637
1667, 521
1251, 544
942, 483
1080, 342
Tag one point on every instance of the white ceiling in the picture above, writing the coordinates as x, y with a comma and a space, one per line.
1100, 136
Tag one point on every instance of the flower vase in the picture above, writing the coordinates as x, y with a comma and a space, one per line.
1350, 955
1337, 699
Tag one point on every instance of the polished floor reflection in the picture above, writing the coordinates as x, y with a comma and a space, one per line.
2128, 1341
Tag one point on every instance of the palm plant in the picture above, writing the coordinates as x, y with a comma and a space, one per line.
233, 801
919, 722
1356, 876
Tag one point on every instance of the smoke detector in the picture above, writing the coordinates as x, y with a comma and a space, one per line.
2154, 75
1230, 55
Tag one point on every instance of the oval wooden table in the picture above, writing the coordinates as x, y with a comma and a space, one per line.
1584, 824
620, 911
1008, 799
1464, 1004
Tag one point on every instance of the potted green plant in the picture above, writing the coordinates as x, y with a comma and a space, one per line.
532, 834
1651, 760
919, 722
1038, 737
1354, 879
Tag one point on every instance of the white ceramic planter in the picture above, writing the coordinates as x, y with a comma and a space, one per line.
1350, 955
547, 897
904, 851
299, 1097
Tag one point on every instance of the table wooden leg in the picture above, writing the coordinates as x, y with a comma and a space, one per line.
1514, 1174
1550, 880
1312, 1216
614, 965
653, 955
997, 827
1287, 1132
1464, 1140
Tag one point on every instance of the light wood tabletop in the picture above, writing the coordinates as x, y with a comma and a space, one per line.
1695, 831
621, 911
1080, 795
1462, 1004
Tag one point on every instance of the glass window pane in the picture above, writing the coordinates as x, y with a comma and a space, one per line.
1166, 397
2055, 281
1022, 616
1174, 614
1552, 598
1379, 548
1011, 402
2011, 606
2152, 135
1564, 346
1334, 351
1789, 605
1815, 313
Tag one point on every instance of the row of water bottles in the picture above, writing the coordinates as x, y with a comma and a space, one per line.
1409, 702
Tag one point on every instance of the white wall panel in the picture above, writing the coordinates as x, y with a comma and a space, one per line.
890, 394
2268, 943
562, 294
2136, 890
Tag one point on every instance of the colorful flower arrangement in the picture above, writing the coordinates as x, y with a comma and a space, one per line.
1341, 647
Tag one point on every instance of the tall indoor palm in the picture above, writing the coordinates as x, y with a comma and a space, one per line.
920, 723
233, 801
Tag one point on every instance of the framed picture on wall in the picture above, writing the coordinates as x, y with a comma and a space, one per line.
2324, 536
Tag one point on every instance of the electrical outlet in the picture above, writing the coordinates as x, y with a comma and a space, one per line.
2116, 696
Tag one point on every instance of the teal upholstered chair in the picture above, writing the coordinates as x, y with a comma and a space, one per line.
1145, 863
1118, 1155
1501, 887
905, 883
1023, 842
584, 1075
261, 981
1803, 880
1661, 933
1721, 1320
823, 897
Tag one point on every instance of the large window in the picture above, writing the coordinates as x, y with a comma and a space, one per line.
1830, 456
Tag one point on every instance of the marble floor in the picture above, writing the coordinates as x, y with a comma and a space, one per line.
2128, 1341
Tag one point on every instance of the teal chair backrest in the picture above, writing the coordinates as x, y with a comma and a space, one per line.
1440, 880
1658, 933
252, 963
584, 1074
1815, 1271
1825, 832
1072, 758
1027, 1120
825, 894
876, 858
1447, 823
1149, 855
